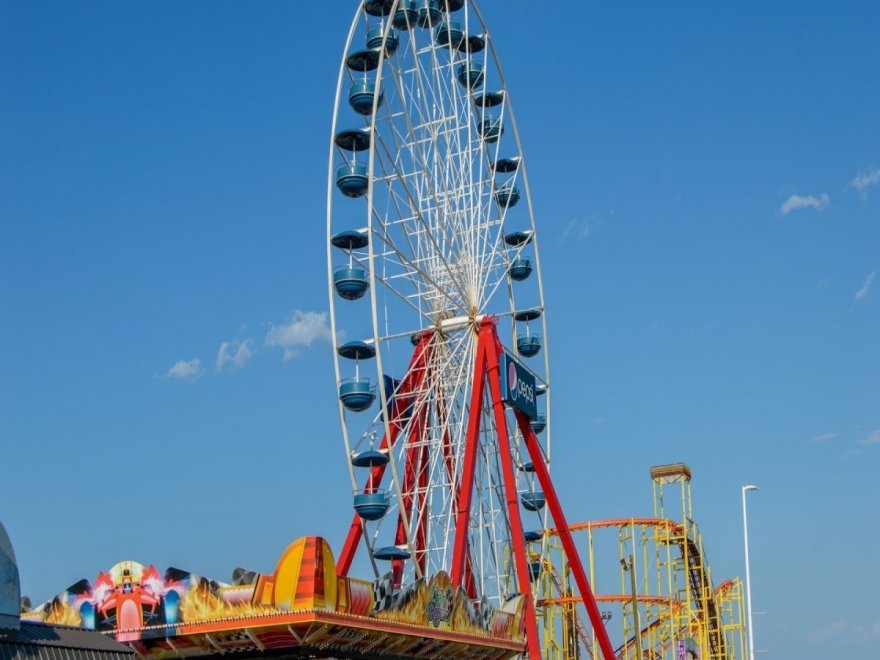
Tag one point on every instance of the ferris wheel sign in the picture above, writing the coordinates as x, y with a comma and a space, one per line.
518, 387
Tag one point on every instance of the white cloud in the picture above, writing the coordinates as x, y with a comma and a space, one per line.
234, 353
862, 293
829, 631
871, 439
579, 229
865, 180
803, 202
825, 437
869, 631
185, 370
301, 331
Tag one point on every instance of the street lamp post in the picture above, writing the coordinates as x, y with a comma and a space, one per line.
746, 489
630, 565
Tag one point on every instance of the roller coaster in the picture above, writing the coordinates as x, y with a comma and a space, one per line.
666, 602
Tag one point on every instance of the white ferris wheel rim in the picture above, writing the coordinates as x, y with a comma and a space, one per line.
376, 226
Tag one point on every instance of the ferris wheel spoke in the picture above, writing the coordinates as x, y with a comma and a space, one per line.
423, 160
414, 272
409, 232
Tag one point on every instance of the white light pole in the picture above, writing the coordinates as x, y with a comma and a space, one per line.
746, 489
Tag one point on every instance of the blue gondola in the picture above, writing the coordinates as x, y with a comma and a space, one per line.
527, 467
507, 165
527, 314
520, 268
364, 60
369, 458
350, 282
429, 13
378, 7
470, 74
350, 239
452, 5
376, 37
357, 394
406, 15
390, 553
491, 129
356, 350
518, 238
534, 570
533, 501
539, 424
352, 180
540, 389
507, 196
361, 95
528, 345
353, 139
473, 43
371, 506
532, 537
488, 99
449, 34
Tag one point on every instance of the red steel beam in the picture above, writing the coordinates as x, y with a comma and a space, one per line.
565, 536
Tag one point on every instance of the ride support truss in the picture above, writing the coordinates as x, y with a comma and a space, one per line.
486, 380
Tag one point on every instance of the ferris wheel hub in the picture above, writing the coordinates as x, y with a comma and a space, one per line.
460, 323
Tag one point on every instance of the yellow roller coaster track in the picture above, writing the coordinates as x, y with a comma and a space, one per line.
663, 600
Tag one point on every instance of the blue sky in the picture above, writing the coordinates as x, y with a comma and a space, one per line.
706, 181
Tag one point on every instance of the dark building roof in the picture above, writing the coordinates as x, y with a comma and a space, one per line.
40, 640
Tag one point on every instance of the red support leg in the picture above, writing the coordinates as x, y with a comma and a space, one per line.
466, 487
412, 382
468, 583
422, 507
516, 528
565, 536
410, 495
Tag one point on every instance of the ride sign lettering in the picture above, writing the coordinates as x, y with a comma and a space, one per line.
518, 387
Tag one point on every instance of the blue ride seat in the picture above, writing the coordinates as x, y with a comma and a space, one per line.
507, 196
520, 268
470, 74
390, 553
376, 38
528, 345
351, 282
371, 506
491, 129
352, 180
361, 95
357, 394
533, 500
539, 424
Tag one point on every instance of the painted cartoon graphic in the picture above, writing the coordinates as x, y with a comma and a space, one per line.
127, 597
439, 605
138, 605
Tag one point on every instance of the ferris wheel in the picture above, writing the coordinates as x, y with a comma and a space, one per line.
436, 304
